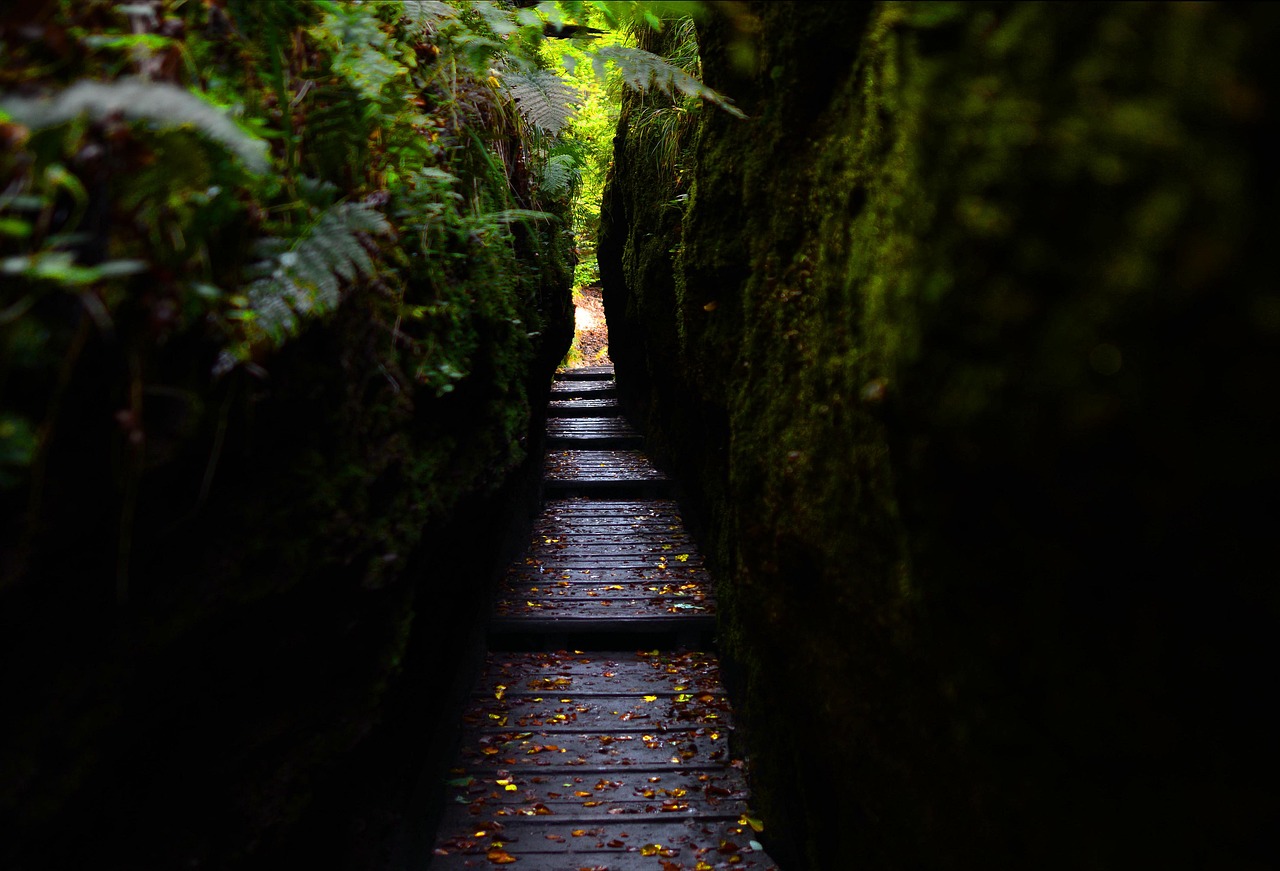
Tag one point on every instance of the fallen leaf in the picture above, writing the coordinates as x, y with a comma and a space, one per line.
650, 849
500, 857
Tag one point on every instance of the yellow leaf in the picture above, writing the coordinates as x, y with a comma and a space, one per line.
711, 306
650, 698
756, 824
500, 857
683, 557
650, 849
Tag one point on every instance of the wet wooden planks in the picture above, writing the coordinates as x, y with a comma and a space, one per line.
613, 760
586, 373
583, 407
596, 566
599, 467
592, 432
600, 759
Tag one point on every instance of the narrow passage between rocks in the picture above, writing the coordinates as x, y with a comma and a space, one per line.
599, 734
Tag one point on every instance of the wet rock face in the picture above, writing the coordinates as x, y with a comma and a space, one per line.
961, 347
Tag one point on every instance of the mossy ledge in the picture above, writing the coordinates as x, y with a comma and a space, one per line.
964, 349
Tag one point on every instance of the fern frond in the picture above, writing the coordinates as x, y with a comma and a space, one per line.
496, 17
507, 216
644, 70
425, 13
362, 57
161, 104
543, 98
560, 175
304, 278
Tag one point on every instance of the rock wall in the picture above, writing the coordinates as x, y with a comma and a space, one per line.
963, 348
230, 640
271, 398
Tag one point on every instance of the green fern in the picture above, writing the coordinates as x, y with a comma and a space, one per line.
560, 175
429, 13
362, 50
302, 278
544, 99
644, 70
163, 105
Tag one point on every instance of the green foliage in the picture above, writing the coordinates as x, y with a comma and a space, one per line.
161, 105
544, 98
302, 276
643, 70
282, 156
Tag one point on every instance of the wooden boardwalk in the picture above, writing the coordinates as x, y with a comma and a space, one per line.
600, 736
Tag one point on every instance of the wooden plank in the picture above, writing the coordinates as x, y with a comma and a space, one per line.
690, 630
568, 537
600, 467
569, 794
542, 588
621, 845
583, 389
551, 574
596, 712
638, 672
626, 611
575, 509
583, 407
588, 433
584, 373
594, 425
597, 428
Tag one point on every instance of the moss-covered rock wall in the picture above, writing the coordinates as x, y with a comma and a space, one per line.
281, 294
231, 644
964, 349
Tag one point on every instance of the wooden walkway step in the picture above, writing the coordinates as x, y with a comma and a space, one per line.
583, 407
583, 390
603, 473
602, 760
600, 736
586, 373
592, 432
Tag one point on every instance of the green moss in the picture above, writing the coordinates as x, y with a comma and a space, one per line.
972, 275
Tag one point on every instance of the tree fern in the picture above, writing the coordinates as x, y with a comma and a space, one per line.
429, 13
544, 99
560, 175
294, 279
643, 70
161, 104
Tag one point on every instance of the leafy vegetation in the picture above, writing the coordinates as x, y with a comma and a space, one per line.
279, 155
280, 283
